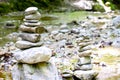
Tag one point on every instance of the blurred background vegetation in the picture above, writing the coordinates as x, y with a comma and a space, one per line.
44, 5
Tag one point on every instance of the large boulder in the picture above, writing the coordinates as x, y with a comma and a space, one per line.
85, 75
39, 71
82, 5
109, 73
33, 55
116, 21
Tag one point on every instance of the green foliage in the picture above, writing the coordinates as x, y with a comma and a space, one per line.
21, 5
4, 8
98, 7
113, 3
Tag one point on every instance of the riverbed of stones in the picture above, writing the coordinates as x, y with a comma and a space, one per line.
77, 51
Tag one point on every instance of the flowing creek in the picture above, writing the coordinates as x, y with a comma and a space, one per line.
47, 19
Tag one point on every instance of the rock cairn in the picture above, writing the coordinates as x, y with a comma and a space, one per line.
84, 67
33, 60
30, 29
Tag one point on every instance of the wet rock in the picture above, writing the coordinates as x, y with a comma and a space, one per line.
63, 26
9, 25
85, 75
55, 32
33, 55
75, 31
27, 44
68, 73
64, 31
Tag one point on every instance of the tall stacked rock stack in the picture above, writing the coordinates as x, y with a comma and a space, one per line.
31, 29
33, 63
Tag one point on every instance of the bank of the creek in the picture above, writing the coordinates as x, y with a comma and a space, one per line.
79, 45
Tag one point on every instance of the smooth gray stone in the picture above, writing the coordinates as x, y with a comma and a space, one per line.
31, 21
85, 60
33, 55
32, 24
39, 71
30, 37
85, 75
35, 16
27, 44
86, 67
31, 10
85, 53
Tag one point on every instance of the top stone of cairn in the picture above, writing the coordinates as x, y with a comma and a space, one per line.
31, 10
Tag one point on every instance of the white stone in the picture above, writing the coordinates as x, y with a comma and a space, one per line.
109, 73
30, 37
31, 21
39, 71
85, 53
116, 21
33, 55
64, 31
31, 10
85, 60
32, 24
35, 16
85, 75
86, 67
26, 44
82, 5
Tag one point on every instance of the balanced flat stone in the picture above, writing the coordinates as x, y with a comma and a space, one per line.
26, 44
30, 37
31, 21
32, 24
35, 16
85, 60
85, 75
33, 55
37, 29
31, 10
86, 67
85, 53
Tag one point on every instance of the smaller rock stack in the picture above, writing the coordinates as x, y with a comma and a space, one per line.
85, 60
30, 29
84, 67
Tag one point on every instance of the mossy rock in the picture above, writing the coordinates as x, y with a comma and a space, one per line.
5, 75
98, 7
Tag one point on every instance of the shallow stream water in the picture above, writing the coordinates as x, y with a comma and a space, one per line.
47, 19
